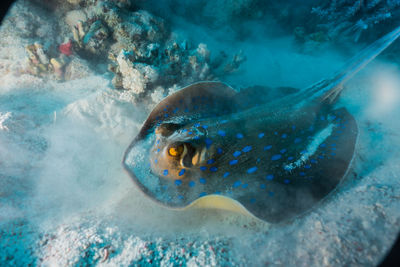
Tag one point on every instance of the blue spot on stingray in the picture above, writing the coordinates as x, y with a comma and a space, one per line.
252, 200
247, 149
320, 157
284, 135
186, 110
190, 133
276, 157
269, 177
156, 161
297, 140
261, 135
178, 182
208, 142
252, 170
210, 161
175, 110
202, 194
165, 109
203, 168
165, 115
323, 145
196, 124
158, 150
165, 172
196, 137
236, 153
276, 133
307, 166
213, 169
217, 192
294, 127
262, 186
286, 181
202, 180
311, 128
283, 150
239, 136
333, 148
271, 194
233, 162
224, 121
184, 130
245, 185
313, 161
290, 158
158, 141
267, 147
182, 172
322, 118
302, 173
192, 183
303, 152
236, 184
205, 126
221, 133
219, 150
180, 197
226, 174
333, 154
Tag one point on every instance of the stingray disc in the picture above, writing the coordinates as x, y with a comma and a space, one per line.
203, 142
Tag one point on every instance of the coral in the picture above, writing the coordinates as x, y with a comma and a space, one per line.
139, 47
176, 64
144, 53
77, 68
353, 19
66, 48
60, 66
74, 16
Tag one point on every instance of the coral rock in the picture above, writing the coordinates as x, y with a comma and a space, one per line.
77, 69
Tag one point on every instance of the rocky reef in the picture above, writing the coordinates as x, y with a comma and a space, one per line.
356, 20
337, 21
115, 37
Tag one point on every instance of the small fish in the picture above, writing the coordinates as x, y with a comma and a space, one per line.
269, 152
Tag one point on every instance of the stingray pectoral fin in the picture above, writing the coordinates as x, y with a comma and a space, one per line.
300, 184
258, 95
220, 203
194, 102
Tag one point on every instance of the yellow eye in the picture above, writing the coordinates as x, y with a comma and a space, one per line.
175, 151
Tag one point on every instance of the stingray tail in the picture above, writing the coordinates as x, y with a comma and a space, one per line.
329, 89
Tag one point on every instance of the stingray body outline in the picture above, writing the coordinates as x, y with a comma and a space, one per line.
271, 159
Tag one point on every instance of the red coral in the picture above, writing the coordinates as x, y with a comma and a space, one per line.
66, 48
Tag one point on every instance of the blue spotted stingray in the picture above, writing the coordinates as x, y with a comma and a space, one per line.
270, 152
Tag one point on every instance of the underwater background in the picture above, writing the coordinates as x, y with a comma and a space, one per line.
79, 77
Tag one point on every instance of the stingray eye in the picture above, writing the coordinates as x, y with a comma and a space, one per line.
175, 151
